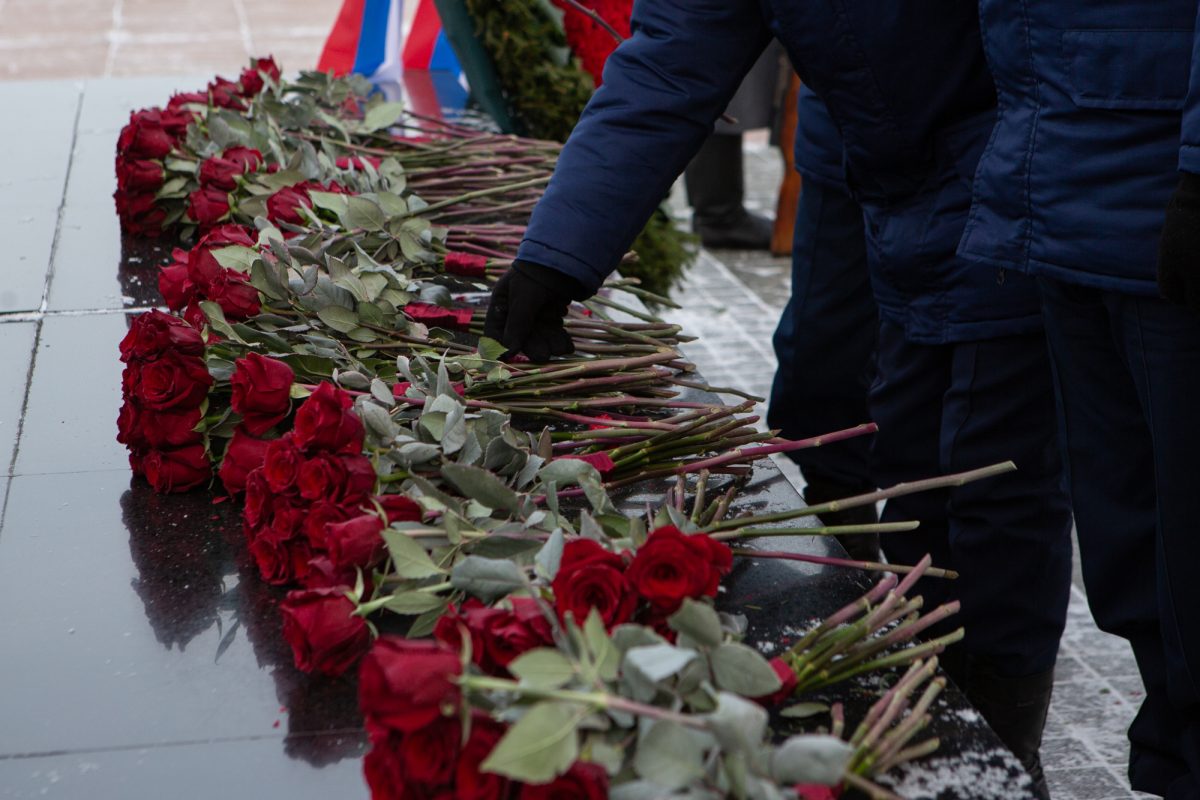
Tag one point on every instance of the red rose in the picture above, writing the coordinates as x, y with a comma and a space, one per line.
323, 573
154, 333
233, 293
175, 121
325, 422
129, 427
140, 214
261, 392
221, 172
384, 769
671, 566
472, 619
787, 684
510, 633
142, 175
466, 264
470, 783
282, 464
227, 234
591, 577
431, 753
336, 478
251, 79
145, 136
399, 508
177, 470
454, 319
406, 684
278, 546
356, 162
816, 791
173, 382
256, 509
207, 207
321, 514
174, 285
224, 94
244, 454
170, 429
180, 101
583, 781
357, 542
284, 205
325, 634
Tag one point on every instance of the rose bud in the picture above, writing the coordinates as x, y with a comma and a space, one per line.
431, 753
256, 509
324, 574
337, 478
170, 429
583, 781
154, 333
129, 426
472, 619
176, 288
143, 175
224, 94
279, 549
590, 577
207, 207
175, 121
222, 172
406, 684
284, 204
144, 136
787, 684
177, 470
321, 514
325, 634
282, 464
357, 542
601, 461
227, 234
140, 214
399, 508
244, 454
325, 422
468, 265
384, 769
180, 101
816, 791
261, 392
173, 382
671, 566
512, 633
471, 783
251, 79
234, 294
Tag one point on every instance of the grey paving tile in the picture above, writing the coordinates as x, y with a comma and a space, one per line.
28, 236
1089, 783
16, 350
70, 424
107, 103
1068, 753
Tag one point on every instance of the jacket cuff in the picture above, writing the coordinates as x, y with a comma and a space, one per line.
587, 276
1189, 158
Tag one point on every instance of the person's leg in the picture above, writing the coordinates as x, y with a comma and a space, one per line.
715, 185
825, 344
1110, 467
964, 406
1163, 346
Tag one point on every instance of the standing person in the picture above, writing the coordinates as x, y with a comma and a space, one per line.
1098, 118
963, 377
825, 340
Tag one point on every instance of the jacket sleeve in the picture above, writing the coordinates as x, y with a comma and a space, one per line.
1189, 150
663, 90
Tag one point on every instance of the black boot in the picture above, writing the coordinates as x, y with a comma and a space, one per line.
715, 191
1015, 708
860, 546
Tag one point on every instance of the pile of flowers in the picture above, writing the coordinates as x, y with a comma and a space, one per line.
398, 472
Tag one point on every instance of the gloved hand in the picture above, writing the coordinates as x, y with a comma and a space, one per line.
527, 309
1179, 249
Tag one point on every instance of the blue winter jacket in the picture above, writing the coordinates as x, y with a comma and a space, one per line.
818, 153
907, 86
1095, 117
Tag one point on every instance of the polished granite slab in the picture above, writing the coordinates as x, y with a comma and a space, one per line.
139, 655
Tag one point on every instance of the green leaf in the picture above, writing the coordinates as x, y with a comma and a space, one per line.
236, 257
669, 754
414, 603
803, 710
363, 213
741, 669
381, 116
540, 746
738, 724
605, 656
550, 556
490, 349
699, 621
657, 662
543, 668
409, 559
329, 201
567, 472
811, 759
340, 319
486, 578
481, 486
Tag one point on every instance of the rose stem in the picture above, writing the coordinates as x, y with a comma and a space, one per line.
828, 530
873, 566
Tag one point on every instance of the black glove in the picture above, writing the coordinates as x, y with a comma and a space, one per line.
1179, 249
527, 309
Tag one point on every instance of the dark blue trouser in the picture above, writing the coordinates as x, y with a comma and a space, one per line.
1128, 379
825, 340
958, 406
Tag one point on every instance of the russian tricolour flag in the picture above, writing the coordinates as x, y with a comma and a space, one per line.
376, 39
